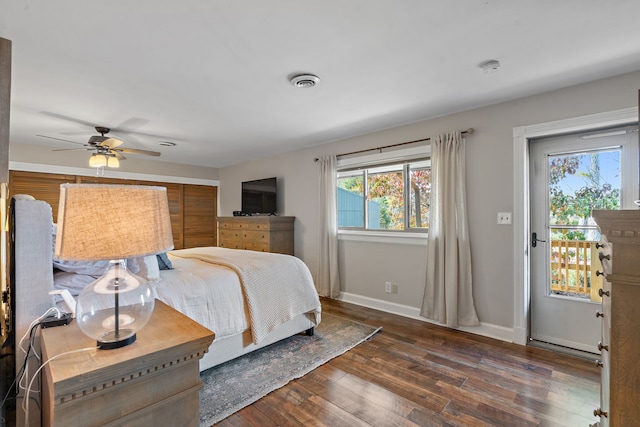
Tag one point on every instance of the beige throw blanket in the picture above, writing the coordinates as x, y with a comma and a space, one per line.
277, 287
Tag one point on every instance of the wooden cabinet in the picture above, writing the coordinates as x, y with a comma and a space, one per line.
199, 214
192, 208
154, 381
620, 314
257, 233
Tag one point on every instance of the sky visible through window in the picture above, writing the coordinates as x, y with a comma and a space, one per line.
609, 165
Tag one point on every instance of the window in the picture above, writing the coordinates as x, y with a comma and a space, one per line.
391, 196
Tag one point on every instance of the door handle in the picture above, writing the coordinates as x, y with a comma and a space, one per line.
535, 240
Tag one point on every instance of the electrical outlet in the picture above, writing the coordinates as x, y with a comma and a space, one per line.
388, 287
504, 218
394, 289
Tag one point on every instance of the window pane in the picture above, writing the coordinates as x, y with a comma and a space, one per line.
386, 201
581, 182
419, 193
578, 183
350, 200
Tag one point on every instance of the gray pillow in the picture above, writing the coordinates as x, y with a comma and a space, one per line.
164, 263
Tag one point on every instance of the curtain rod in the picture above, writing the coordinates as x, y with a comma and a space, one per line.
464, 132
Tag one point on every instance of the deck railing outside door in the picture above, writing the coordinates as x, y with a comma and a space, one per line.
573, 269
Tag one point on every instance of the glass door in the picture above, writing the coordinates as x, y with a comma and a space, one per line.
571, 176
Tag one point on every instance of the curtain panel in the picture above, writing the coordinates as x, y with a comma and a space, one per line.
448, 296
328, 282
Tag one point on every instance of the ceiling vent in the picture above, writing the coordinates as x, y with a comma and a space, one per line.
304, 80
490, 66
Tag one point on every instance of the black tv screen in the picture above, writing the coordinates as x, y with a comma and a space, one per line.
259, 196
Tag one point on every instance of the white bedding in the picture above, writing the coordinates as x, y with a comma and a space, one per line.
228, 291
210, 296
276, 287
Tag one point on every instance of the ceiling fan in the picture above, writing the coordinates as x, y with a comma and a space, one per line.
108, 150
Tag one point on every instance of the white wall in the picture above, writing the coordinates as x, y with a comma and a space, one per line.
365, 266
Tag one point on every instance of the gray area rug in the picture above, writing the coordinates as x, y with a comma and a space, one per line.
238, 383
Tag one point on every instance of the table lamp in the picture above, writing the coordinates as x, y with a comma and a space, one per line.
113, 222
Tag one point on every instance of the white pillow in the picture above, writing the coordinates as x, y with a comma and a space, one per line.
145, 267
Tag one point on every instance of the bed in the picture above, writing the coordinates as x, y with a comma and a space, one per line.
206, 284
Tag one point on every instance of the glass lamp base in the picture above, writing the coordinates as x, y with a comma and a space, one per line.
113, 344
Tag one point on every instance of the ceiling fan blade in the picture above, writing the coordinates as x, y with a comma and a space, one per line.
69, 119
84, 132
111, 143
130, 133
130, 125
71, 149
59, 139
118, 155
136, 151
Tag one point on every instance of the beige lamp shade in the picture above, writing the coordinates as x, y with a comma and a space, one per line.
108, 222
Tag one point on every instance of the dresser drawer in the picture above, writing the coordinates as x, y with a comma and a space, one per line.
257, 246
231, 239
605, 255
259, 226
256, 236
229, 235
606, 305
604, 388
232, 225
231, 244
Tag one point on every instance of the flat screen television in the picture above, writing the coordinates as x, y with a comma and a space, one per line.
259, 196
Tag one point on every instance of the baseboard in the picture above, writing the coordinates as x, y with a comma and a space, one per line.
520, 336
484, 329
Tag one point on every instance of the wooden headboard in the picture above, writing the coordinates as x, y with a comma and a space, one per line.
193, 208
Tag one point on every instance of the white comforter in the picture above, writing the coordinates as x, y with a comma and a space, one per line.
243, 289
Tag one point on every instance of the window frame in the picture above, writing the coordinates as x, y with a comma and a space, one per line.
403, 158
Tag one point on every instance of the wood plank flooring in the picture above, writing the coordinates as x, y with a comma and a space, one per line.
413, 373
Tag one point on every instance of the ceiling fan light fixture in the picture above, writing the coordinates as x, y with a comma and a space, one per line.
304, 80
98, 160
113, 162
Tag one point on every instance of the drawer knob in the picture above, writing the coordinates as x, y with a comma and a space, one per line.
599, 314
602, 292
599, 245
602, 346
599, 363
599, 273
603, 256
600, 413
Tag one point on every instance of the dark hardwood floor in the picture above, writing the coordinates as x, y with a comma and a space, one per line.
413, 373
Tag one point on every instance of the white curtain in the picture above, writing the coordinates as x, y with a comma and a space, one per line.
448, 297
328, 282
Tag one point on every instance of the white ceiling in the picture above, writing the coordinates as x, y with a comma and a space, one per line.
212, 76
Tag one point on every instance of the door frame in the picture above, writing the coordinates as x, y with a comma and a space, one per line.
521, 137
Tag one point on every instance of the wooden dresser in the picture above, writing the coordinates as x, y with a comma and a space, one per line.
257, 233
620, 314
154, 381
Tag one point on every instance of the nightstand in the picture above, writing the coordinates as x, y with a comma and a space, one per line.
154, 381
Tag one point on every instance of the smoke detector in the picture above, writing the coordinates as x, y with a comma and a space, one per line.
490, 66
304, 80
